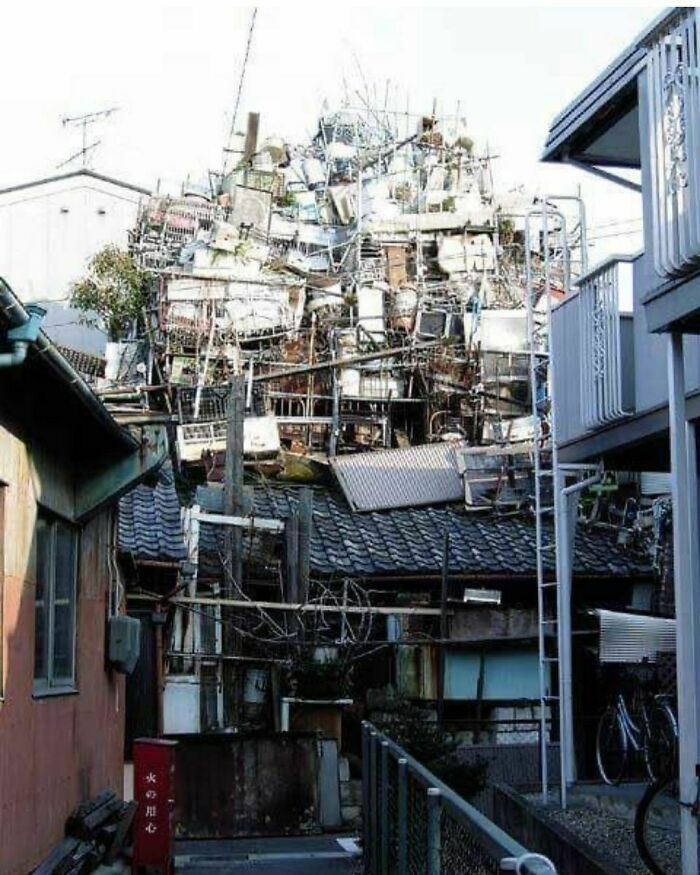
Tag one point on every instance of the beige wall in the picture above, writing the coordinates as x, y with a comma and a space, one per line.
54, 752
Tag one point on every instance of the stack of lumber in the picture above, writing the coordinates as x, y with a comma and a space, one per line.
96, 832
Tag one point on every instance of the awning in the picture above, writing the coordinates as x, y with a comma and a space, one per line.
632, 638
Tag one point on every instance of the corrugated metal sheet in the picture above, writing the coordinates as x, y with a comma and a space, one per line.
400, 478
655, 483
634, 638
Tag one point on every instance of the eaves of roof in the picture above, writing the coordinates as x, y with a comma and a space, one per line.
73, 174
13, 314
610, 94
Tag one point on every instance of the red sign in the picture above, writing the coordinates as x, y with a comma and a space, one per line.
154, 790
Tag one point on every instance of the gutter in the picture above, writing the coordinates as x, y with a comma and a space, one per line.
21, 318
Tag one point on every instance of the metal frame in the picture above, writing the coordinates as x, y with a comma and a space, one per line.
684, 484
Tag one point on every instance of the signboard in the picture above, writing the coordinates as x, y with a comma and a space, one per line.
154, 786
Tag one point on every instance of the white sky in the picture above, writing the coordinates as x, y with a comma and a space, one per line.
172, 68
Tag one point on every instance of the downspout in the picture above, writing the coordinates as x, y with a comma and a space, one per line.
564, 545
21, 337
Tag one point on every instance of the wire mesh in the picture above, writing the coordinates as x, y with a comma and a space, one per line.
417, 828
402, 831
461, 849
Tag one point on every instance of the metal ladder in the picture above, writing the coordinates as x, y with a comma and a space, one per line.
552, 244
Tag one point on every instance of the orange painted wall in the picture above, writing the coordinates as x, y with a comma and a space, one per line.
54, 752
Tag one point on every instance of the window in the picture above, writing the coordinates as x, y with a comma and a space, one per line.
55, 601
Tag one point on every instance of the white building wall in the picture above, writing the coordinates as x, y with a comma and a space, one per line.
48, 231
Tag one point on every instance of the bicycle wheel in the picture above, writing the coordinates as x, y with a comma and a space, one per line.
661, 745
657, 827
611, 747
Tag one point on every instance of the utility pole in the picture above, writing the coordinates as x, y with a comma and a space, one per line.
443, 625
233, 578
305, 518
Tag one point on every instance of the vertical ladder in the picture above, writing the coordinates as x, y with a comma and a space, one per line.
545, 232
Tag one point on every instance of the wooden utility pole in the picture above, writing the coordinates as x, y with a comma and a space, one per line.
305, 515
443, 626
233, 578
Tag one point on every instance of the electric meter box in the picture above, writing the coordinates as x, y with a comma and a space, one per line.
124, 643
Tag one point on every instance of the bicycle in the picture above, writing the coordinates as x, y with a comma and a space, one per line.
653, 734
657, 825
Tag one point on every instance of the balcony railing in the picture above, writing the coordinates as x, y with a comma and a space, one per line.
673, 102
606, 363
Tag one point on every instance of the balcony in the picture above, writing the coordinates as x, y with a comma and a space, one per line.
609, 372
606, 331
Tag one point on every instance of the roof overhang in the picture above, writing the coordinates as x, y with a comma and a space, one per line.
600, 128
46, 403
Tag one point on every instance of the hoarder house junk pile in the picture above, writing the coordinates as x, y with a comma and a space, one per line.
368, 284
353, 312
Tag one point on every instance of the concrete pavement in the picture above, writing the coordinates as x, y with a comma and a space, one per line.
304, 855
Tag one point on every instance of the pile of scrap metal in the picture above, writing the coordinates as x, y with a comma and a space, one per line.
369, 283
96, 834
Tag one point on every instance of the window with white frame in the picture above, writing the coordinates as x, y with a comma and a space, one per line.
55, 604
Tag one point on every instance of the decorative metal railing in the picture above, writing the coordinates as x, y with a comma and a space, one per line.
673, 105
414, 824
606, 347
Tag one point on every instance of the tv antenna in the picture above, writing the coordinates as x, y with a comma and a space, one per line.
84, 121
228, 149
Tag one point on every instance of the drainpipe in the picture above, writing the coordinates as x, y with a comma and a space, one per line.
564, 541
21, 336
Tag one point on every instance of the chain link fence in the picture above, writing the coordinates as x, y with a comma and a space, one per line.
414, 824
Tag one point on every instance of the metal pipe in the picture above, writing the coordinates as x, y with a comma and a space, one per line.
434, 848
344, 362
684, 488
402, 830
566, 521
384, 809
366, 784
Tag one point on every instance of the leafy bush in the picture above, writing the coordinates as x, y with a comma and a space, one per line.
412, 728
115, 288
320, 680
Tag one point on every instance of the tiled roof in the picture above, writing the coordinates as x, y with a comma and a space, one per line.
410, 477
409, 542
149, 521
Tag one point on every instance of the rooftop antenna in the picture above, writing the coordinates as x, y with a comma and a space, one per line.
228, 149
83, 121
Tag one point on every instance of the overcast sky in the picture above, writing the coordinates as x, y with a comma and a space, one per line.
172, 69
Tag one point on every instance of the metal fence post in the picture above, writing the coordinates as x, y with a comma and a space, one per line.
366, 800
433, 832
374, 807
402, 816
384, 808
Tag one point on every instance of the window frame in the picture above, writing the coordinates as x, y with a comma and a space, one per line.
49, 684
